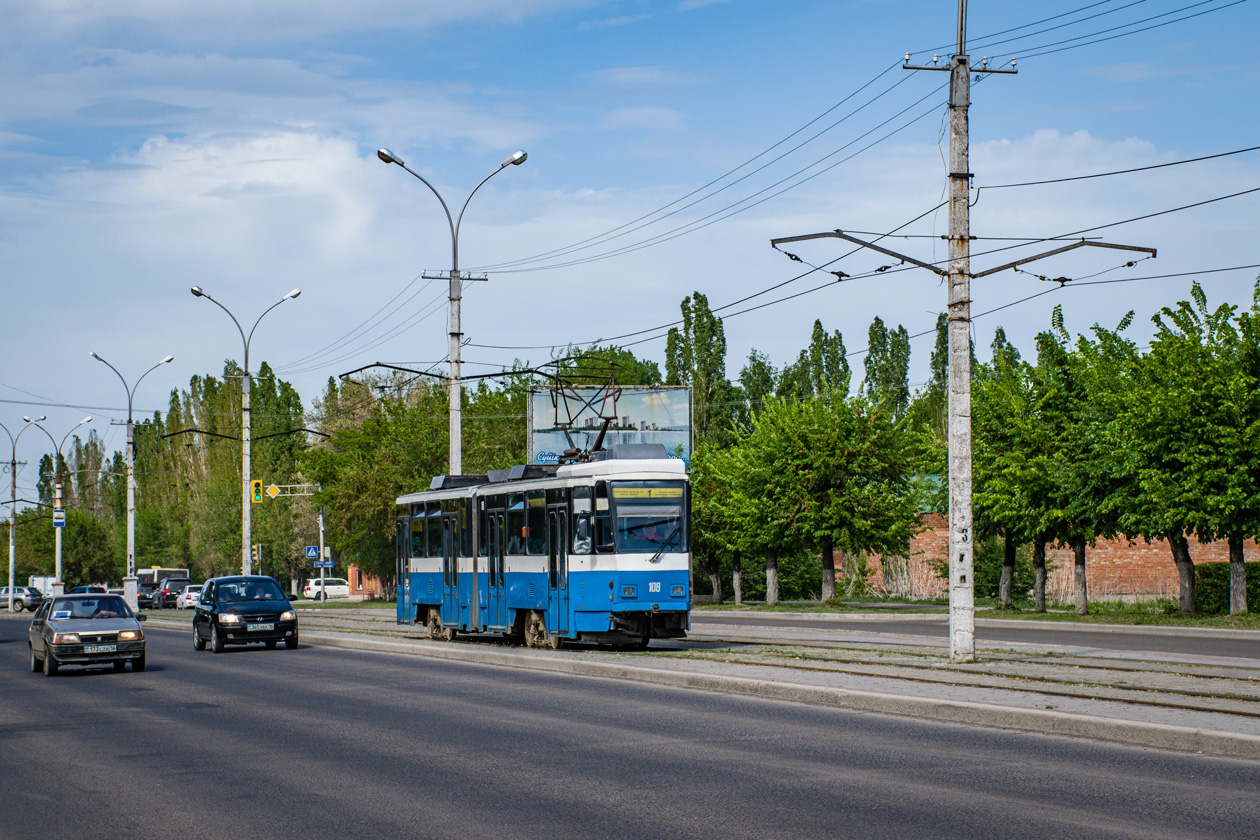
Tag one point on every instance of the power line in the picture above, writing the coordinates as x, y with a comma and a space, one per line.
607, 236
1071, 46
1114, 172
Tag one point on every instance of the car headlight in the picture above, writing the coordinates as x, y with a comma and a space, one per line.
65, 638
229, 618
130, 636
288, 615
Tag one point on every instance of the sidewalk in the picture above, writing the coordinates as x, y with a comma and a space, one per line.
1197, 703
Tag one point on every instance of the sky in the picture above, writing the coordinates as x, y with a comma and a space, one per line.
232, 146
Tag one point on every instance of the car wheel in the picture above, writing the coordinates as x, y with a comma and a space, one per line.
271, 645
120, 665
291, 643
50, 665
216, 641
35, 663
138, 664
198, 642
18, 606
320, 596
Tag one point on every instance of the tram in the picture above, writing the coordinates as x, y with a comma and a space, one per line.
597, 551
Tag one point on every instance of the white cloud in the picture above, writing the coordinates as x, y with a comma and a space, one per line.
652, 119
645, 76
614, 22
247, 21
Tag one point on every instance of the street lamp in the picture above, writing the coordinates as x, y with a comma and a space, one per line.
57, 527
129, 582
456, 443
13, 503
245, 387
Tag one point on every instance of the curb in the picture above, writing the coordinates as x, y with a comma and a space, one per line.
1045, 722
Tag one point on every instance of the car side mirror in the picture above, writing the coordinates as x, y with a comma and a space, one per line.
292, 597
142, 618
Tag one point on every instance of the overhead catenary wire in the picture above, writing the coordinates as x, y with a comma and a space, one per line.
634, 224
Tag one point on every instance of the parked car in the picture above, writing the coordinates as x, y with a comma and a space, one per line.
241, 609
330, 588
144, 595
24, 597
167, 591
87, 629
92, 588
188, 597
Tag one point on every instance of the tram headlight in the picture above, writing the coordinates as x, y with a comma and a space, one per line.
627, 591
678, 590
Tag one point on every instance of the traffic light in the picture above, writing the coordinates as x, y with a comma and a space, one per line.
255, 491
256, 552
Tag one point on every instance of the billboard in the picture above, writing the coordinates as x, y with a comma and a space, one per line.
639, 414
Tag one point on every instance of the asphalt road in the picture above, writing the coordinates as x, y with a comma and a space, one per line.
320, 742
991, 633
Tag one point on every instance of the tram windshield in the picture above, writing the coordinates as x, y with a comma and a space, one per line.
649, 516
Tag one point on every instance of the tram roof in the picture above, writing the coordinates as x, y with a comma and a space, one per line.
646, 460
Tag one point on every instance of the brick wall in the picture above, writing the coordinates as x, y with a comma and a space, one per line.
1114, 569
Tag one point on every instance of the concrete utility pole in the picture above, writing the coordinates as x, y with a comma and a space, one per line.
59, 512
455, 299
246, 382
129, 582
13, 465
962, 633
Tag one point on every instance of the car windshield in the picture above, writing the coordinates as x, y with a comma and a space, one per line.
106, 606
230, 592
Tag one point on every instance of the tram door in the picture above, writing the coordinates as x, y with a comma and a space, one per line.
450, 574
496, 539
402, 572
558, 569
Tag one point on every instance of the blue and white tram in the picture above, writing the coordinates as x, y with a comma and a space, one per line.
592, 552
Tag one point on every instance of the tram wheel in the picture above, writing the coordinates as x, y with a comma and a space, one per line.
448, 634
535, 630
435, 625
553, 642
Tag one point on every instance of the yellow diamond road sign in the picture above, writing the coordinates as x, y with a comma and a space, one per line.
273, 491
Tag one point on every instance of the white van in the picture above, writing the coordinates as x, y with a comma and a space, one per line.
332, 588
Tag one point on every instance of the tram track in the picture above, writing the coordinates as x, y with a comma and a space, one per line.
1050, 686
1232, 690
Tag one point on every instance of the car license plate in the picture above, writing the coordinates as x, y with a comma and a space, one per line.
100, 648
253, 627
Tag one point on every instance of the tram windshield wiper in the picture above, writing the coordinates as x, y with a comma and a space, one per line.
665, 543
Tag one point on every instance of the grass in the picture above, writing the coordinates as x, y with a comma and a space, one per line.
342, 604
1162, 612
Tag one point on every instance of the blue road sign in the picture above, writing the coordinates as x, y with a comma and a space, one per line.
312, 552
323, 564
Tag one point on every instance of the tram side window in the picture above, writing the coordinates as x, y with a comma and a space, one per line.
465, 528
516, 523
603, 519
417, 536
536, 522
481, 528
583, 511
434, 528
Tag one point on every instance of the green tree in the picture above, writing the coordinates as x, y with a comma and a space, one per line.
695, 355
887, 368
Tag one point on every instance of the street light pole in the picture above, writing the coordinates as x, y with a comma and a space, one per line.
129, 582
13, 441
246, 381
454, 298
57, 582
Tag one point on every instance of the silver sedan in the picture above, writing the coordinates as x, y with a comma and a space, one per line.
91, 629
